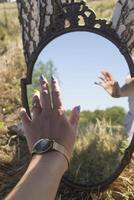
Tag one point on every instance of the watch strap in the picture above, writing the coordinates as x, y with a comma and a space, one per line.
60, 148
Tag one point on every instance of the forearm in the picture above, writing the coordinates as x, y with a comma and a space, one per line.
127, 89
41, 179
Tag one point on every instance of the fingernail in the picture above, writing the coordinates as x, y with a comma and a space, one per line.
53, 78
22, 110
42, 77
78, 108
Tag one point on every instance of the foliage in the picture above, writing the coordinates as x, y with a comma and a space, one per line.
115, 115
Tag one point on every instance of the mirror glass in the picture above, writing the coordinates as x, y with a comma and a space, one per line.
76, 59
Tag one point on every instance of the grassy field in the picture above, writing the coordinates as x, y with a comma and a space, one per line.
14, 154
98, 152
102, 8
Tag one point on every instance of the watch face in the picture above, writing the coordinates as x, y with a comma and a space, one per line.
43, 145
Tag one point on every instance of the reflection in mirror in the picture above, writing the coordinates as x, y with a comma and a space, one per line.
76, 60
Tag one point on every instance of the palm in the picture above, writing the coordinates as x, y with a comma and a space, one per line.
109, 86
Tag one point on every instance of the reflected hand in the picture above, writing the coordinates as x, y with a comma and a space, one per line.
49, 120
109, 84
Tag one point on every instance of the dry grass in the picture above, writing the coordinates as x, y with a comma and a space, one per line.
102, 8
98, 152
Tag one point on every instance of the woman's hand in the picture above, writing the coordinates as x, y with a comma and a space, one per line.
107, 81
48, 119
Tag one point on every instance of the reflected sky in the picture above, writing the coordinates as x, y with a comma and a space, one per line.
79, 57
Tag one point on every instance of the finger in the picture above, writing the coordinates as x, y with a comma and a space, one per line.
36, 109
56, 94
108, 76
44, 94
24, 118
98, 83
74, 117
105, 76
102, 79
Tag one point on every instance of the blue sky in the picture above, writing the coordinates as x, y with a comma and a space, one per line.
79, 58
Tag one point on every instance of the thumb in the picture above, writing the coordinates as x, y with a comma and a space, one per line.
24, 118
74, 117
98, 83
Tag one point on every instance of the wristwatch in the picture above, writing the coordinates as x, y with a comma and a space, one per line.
46, 145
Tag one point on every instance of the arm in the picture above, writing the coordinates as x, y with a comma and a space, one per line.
127, 89
44, 173
107, 81
41, 179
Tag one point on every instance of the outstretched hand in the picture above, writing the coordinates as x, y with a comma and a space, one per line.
107, 81
48, 119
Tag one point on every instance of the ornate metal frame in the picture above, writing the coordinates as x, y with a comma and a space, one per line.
68, 20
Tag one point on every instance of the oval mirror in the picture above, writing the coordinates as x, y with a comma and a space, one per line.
76, 59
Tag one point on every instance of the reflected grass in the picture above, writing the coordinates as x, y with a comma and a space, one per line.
98, 151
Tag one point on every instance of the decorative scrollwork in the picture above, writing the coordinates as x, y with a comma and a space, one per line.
74, 12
